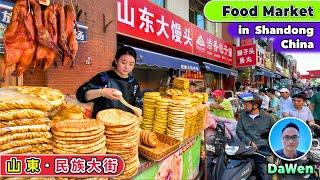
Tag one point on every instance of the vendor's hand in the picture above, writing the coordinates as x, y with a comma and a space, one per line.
285, 114
254, 145
202, 154
312, 123
213, 105
112, 94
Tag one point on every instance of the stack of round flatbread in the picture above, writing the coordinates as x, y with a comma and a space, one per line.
191, 120
24, 126
200, 97
201, 115
195, 101
181, 83
53, 96
161, 117
149, 109
123, 137
173, 92
84, 136
176, 118
148, 138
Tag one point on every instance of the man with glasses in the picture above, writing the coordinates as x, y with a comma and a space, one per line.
285, 102
300, 111
290, 141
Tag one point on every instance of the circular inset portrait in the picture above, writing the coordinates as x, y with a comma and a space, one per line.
290, 139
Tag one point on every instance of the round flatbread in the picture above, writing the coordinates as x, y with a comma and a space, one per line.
53, 96
28, 148
13, 114
116, 117
81, 151
80, 145
101, 151
23, 142
24, 122
78, 134
77, 126
60, 138
78, 141
10, 99
28, 135
24, 129
121, 128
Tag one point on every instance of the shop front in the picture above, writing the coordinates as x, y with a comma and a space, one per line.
226, 77
170, 48
253, 66
178, 39
172, 120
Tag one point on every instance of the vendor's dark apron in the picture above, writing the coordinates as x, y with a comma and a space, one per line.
128, 93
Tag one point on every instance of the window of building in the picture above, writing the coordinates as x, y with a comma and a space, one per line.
161, 3
197, 18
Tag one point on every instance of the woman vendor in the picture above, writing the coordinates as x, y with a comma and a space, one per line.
103, 89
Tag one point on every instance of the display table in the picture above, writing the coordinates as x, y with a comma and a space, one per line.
183, 163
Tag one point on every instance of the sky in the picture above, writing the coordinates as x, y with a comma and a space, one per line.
306, 61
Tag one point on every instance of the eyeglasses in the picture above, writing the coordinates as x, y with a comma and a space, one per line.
293, 138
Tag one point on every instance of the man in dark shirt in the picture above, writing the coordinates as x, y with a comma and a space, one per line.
252, 124
290, 141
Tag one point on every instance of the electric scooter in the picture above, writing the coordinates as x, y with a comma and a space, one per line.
231, 159
237, 162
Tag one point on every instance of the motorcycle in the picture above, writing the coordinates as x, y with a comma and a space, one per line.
229, 158
237, 162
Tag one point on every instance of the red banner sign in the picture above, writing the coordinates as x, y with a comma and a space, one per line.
246, 55
144, 20
61, 165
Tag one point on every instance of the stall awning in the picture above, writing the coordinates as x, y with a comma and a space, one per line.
164, 61
264, 72
219, 69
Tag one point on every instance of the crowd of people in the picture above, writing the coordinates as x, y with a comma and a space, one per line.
261, 110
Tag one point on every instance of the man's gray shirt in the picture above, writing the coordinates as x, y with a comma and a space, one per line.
249, 129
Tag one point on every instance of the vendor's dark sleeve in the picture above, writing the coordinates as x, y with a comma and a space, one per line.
94, 83
138, 97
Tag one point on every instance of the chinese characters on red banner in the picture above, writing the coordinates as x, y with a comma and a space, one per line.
146, 21
60, 165
246, 55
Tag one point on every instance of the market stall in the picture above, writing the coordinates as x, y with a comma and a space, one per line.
40, 120
43, 120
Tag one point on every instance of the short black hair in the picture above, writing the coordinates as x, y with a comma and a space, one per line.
263, 90
193, 84
299, 96
272, 91
291, 125
124, 50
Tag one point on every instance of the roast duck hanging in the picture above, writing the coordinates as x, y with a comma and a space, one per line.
39, 37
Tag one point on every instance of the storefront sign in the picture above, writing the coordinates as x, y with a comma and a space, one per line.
184, 164
146, 21
261, 56
210, 47
246, 55
5, 18
61, 165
